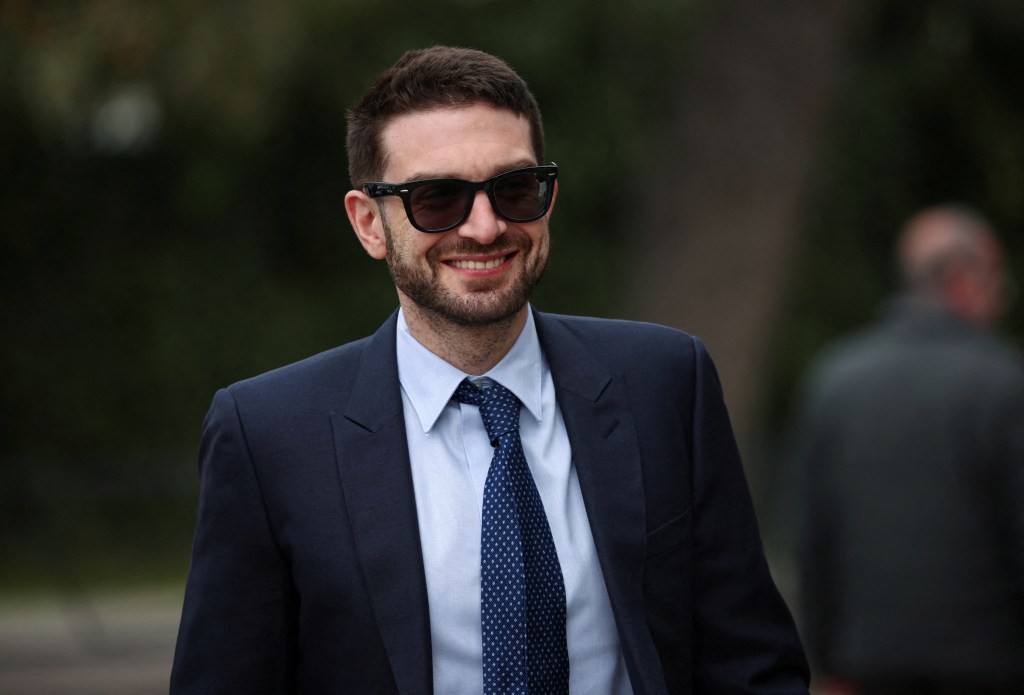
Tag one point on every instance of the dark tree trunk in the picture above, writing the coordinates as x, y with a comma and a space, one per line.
724, 211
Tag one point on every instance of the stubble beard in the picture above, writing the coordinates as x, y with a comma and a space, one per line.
489, 305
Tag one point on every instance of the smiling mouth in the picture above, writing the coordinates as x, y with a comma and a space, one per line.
478, 265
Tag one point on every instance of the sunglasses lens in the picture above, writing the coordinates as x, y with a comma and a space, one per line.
521, 197
517, 196
439, 205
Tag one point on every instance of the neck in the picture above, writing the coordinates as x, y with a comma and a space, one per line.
471, 349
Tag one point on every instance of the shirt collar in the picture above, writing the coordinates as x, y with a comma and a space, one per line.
429, 381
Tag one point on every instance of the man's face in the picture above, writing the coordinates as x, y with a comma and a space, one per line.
484, 270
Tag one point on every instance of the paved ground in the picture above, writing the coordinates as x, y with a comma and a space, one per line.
88, 645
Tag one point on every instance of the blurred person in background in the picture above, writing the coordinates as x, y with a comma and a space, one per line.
910, 451
385, 517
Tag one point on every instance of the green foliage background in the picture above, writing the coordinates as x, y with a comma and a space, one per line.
930, 110
139, 276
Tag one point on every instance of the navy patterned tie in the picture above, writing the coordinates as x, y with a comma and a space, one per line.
522, 596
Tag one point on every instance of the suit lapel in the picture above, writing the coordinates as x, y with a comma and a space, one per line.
606, 455
373, 461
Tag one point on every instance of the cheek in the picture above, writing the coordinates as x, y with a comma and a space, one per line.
419, 248
425, 246
407, 243
540, 239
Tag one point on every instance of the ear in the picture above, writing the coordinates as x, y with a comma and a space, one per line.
364, 215
962, 292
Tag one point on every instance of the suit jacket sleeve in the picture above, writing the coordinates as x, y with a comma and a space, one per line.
237, 629
744, 637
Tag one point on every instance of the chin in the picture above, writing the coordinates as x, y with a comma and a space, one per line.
479, 316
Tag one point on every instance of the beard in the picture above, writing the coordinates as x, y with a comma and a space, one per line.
493, 300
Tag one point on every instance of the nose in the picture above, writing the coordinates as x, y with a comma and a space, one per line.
483, 225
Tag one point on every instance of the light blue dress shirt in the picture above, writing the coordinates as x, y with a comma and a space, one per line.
450, 454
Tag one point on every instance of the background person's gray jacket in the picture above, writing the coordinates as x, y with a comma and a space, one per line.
911, 450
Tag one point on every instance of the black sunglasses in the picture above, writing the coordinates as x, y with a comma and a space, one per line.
437, 205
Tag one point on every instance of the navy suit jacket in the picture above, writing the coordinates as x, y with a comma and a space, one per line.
306, 572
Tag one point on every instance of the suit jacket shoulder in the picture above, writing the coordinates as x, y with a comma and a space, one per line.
326, 375
653, 358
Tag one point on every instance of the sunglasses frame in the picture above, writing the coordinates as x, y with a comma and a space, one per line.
378, 189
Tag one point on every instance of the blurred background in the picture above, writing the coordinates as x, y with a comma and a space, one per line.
171, 220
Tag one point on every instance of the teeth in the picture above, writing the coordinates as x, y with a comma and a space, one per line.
479, 265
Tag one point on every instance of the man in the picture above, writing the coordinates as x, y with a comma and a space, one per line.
911, 445
373, 522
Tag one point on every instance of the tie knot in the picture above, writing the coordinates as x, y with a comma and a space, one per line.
499, 407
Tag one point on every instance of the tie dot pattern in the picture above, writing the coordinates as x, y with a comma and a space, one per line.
522, 594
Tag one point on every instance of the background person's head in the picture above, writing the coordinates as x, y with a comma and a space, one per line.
432, 78
949, 256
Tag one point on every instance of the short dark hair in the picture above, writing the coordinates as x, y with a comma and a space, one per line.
431, 78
